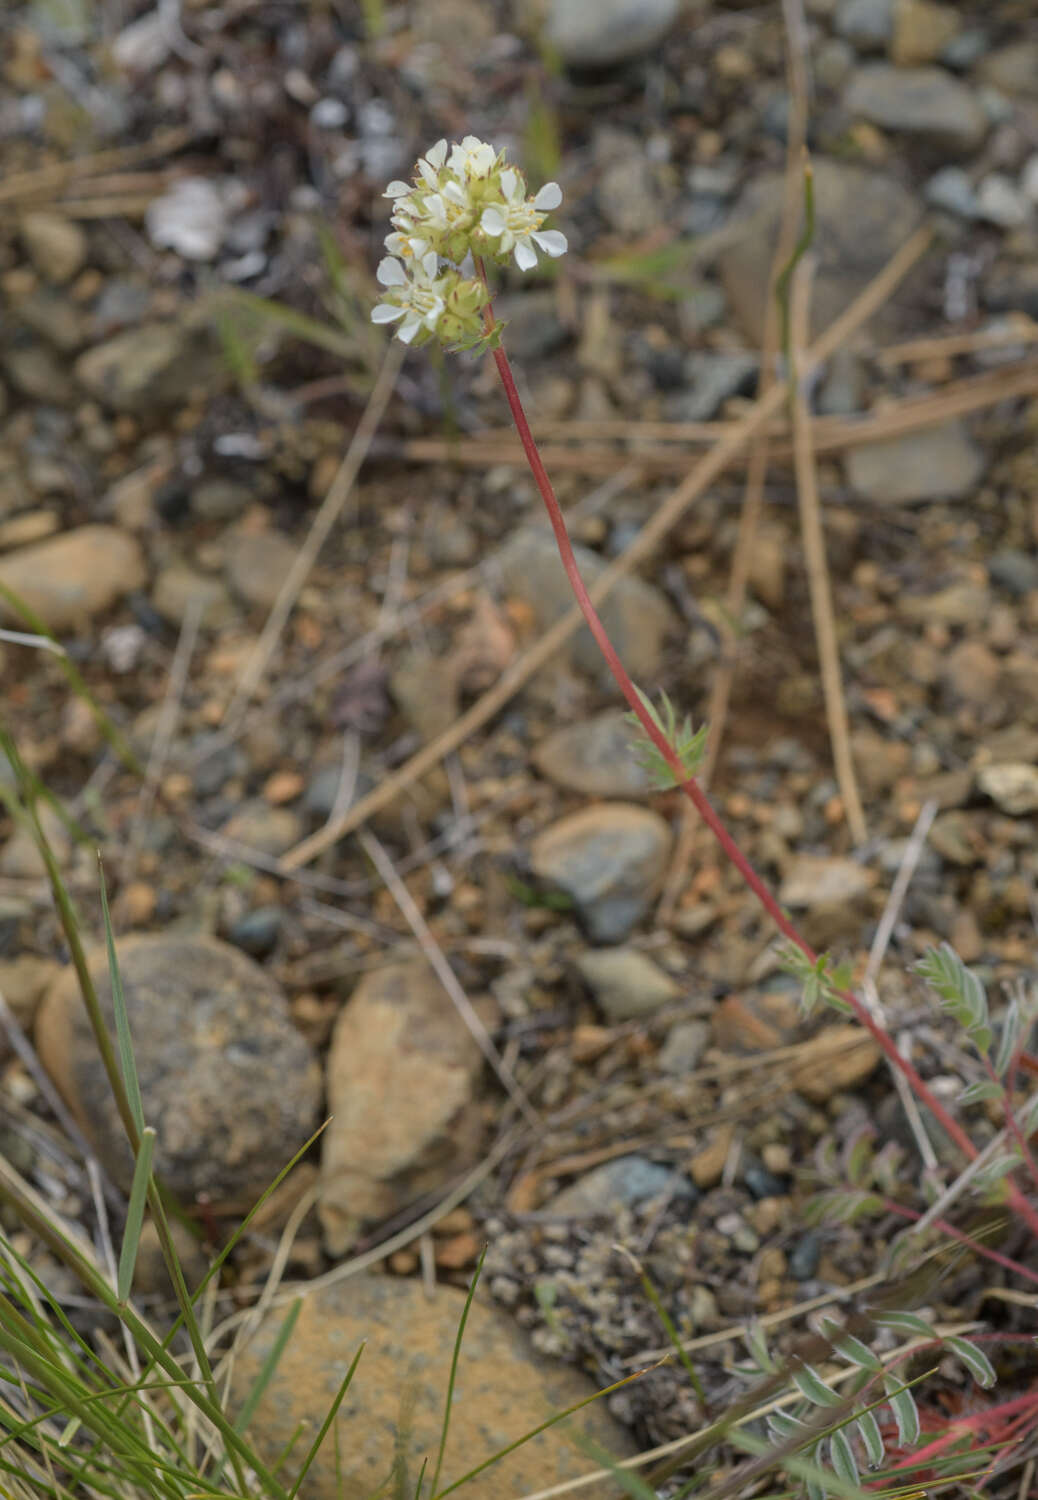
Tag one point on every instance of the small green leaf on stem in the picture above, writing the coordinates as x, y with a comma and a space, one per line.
688, 745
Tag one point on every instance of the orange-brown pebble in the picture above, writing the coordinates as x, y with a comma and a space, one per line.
138, 901
282, 787
460, 1250
403, 1262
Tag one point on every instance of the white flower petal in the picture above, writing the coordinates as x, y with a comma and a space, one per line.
427, 173
397, 189
550, 196
390, 273
385, 312
433, 316
509, 182
525, 255
430, 264
471, 142
437, 154
551, 241
456, 194
436, 211
493, 220
407, 330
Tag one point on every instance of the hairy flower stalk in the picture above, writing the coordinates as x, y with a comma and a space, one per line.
465, 201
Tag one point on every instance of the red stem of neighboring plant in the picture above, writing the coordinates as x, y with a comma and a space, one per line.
691, 787
968, 1240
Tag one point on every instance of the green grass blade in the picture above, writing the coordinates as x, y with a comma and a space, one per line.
552, 1421
122, 1020
109, 729
452, 1378
135, 1213
648, 1287
326, 1424
269, 1365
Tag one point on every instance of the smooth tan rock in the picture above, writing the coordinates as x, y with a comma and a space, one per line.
503, 1391
56, 246
257, 566
401, 1076
69, 579
837, 1059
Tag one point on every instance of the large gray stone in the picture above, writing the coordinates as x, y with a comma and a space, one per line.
636, 615
152, 367
229, 1084
611, 859
598, 33
939, 463
596, 757
927, 103
862, 218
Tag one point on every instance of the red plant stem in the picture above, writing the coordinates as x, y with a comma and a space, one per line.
1021, 1407
966, 1239
691, 787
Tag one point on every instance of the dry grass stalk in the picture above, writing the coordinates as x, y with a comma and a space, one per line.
331, 508
756, 475
957, 398
816, 565
43, 182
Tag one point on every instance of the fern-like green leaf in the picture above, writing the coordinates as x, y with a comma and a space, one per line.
688, 745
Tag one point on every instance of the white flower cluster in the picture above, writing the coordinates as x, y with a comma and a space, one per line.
463, 200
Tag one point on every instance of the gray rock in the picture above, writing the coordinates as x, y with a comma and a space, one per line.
636, 615
628, 197
56, 246
595, 757
1001, 202
822, 880
257, 825
938, 463
867, 24
70, 579
393, 1413
805, 1256
1012, 69
623, 1183
681, 1052
963, 51
402, 1078
1012, 287
625, 983
151, 367
1017, 572
833, 61
39, 372
257, 932
842, 391
229, 1084
258, 564
220, 499
950, 189
712, 378
179, 588
926, 103
1012, 786
611, 859
862, 219
598, 33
